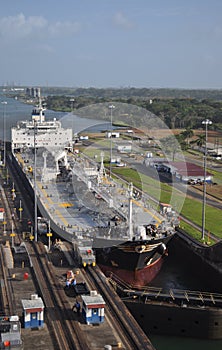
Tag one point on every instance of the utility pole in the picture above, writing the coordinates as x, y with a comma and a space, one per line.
4, 133
206, 123
111, 107
35, 186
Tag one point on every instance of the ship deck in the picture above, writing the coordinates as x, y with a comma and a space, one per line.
80, 202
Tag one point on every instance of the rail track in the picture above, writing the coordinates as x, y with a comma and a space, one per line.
65, 328
7, 297
132, 336
8, 305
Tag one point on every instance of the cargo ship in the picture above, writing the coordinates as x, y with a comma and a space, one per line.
81, 202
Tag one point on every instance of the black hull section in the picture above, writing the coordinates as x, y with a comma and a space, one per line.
196, 322
130, 255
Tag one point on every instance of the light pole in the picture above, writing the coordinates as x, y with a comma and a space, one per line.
4, 132
12, 234
206, 123
72, 100
35, 186
20, 210
111, 107
49, 235
130, 192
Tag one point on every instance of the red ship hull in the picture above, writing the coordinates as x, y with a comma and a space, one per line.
138, 278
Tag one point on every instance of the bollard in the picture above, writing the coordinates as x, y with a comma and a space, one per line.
25, 276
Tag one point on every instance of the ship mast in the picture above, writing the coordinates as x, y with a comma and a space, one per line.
130, 213
38, 112
102, 171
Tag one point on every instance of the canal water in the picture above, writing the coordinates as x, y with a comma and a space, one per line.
179, 273
174, 275
15, 111
179, 343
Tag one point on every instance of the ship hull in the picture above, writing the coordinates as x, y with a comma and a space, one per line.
135, 263
137, 279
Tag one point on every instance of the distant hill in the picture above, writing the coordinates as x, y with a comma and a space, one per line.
149, 93
177, 108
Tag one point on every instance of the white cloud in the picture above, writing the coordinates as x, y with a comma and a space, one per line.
61, 28
122, 21
20, 27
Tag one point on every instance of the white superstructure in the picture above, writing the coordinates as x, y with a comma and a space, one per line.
48, 134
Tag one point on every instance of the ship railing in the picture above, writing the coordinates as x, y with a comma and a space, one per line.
183, 298
118, 282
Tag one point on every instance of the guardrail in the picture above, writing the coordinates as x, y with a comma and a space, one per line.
178, 297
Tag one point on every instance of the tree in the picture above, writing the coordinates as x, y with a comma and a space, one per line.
170, 145
187, 134
200, 140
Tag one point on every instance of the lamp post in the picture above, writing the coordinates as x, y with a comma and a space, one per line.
206, 123
20, 210
130, 192
72, 100
4, 223
35, 186
49, 235
111, 107
12, 234
4, 132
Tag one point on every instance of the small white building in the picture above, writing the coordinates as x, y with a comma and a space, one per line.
84, 137
93, 308
113, 134
124, 147
33, 312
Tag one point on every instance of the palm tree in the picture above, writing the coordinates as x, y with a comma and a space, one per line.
199, 141
187, 134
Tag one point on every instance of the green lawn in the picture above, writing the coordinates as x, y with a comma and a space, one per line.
217, 176
195, 233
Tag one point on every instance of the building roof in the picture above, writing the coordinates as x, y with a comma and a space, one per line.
32, 304
96, 300
188, 169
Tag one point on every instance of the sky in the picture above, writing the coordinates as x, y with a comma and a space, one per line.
111, 43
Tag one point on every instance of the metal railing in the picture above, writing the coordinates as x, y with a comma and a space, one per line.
180, 297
